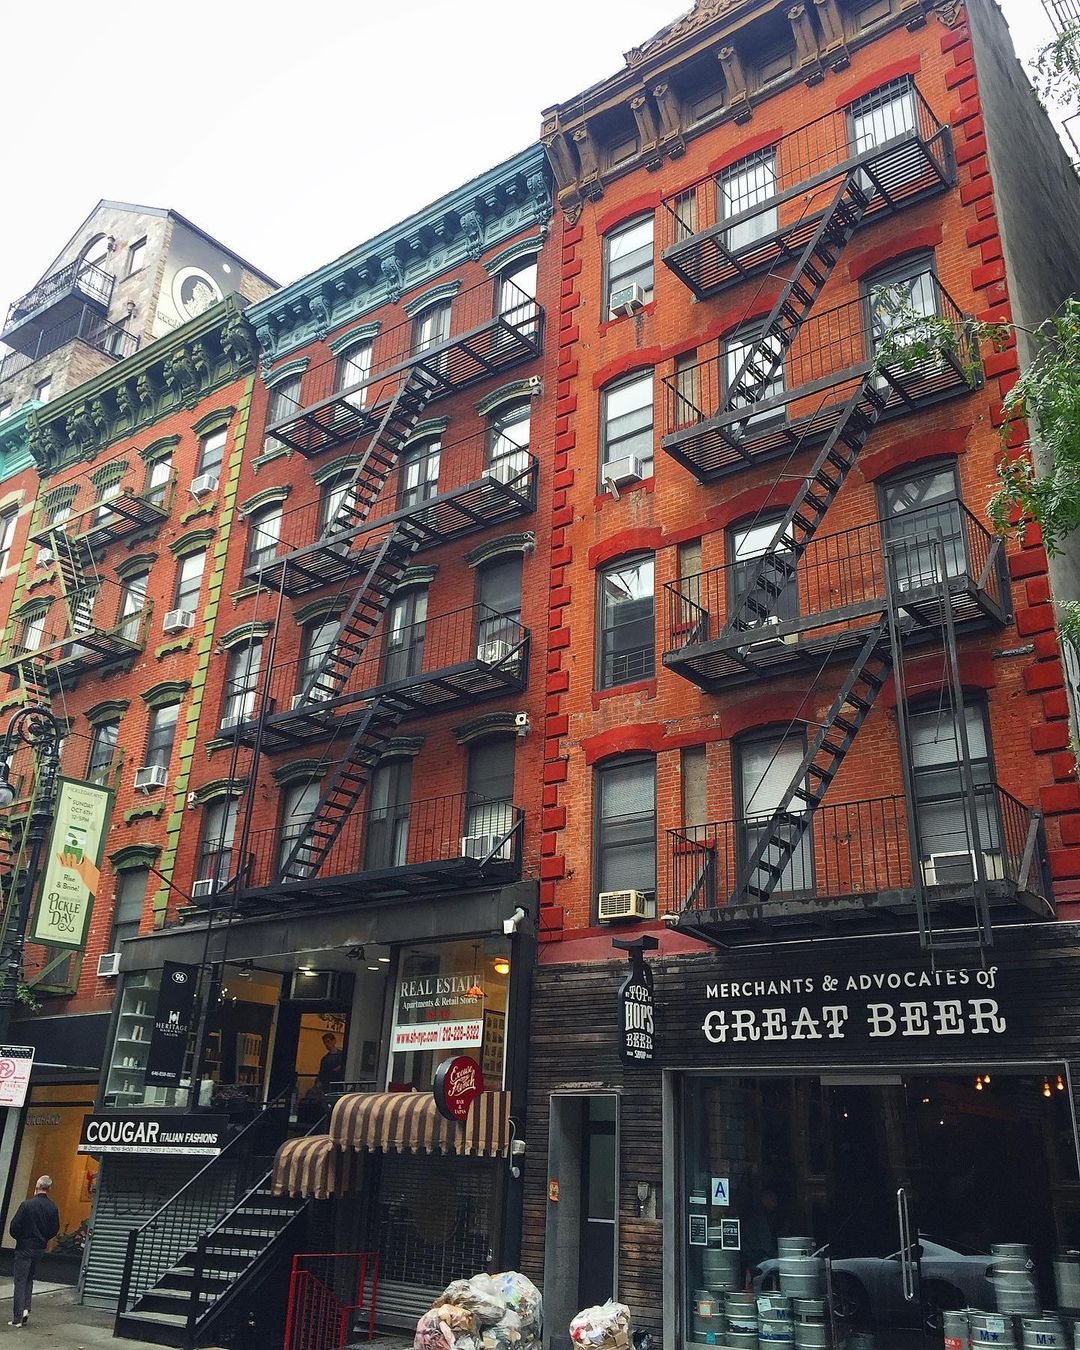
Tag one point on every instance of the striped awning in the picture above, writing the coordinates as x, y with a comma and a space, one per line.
409, 1122
308, 1168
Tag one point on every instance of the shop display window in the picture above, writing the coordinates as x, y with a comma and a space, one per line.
125, 1086
48, 1147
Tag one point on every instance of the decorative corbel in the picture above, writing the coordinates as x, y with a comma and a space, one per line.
648, 133
671, 137
539, 197
99, 416
126, 401
738, 99
320, 312
570, 204
392, 275
146, 388
473, 229
806, 48
267, 340
559, 154
835, 52
590, 184
238, 341
80, 427
948, 12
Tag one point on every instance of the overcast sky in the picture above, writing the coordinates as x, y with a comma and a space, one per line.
290, 133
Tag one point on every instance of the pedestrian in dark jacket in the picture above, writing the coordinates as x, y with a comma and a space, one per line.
36, 1223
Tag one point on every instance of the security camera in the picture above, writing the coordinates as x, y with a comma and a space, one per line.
521, 723
536, 384
671, 918
192, 799
510, 925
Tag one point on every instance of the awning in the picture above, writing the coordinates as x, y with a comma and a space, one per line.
308, 1167
409, 1122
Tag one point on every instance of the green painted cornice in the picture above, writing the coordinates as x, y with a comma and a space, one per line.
178, 370
254, 631
474, 218
166, 691
505, 393
323, 608
269, 496
435, 296
344, 342
485, 726
15, 442
288, 371
219, 787
213, 421
299, 770
521, 248
134, 856
108, 710
191, 542
158, 449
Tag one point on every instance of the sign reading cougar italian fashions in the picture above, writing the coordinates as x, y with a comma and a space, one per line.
458, 1082
861, 1007
70, 877
136, 1132
438, 1012
172, 1022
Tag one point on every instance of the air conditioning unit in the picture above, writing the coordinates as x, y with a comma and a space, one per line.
493, 653
320, 985
615, 905
623, 471
957, 869
772, 639
177, 620
203, 485
150, 776
205, 887
627, 300
232, 720
108, 965
298, 701
479, 846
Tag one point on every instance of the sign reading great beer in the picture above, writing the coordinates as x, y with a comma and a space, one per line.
438, 1012
172, 1022
71, 873
139, 1133
864, 1007
458, 1082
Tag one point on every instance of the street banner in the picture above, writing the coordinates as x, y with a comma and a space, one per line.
172, 1022
70, 876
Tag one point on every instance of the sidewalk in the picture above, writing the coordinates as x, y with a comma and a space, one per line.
58, 1321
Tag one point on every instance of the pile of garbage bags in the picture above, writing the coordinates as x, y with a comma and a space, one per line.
606, 1327
488, 1312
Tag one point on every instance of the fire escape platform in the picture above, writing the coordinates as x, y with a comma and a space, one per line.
389, 883
128, 513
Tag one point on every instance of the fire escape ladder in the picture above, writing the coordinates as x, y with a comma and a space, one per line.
783, 832
341, 793
814, 267
778, 565
405, 409
78, 575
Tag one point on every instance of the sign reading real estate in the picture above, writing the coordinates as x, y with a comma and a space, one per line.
70, 876
136, 1132
16, 1061
172, 1022
438, 1012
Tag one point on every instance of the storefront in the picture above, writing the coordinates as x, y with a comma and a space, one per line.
836, 1144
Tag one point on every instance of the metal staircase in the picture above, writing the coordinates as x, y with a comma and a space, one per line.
78, 575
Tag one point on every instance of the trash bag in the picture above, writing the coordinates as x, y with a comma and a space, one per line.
480, 1296
645, 1340
504, 1335
432, 1333
523, 1298
607, 1325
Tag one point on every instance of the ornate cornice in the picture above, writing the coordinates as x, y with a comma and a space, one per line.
176, 371
507, 393
521, 248
132, 857
15, 443
158, 449
219, 787
401, 747
344, 342
419, 303
299, 770
166, 691
270, 496
191, 542
481, 728
495, 548
287, 372
107, 710
466, 223
254, 631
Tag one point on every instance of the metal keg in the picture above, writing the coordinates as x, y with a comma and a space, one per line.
991, 1329
1067, 1280
794, 1246
775, 1326
811, 1324
740, 1310
721, 1270
956, 1330
802, 1276
1012, 1273
1042, 1333
708, 1317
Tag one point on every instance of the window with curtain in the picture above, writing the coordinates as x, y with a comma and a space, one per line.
189, 575
624, 803
211, 453
626, 633
8, 522
498, 595
159, 741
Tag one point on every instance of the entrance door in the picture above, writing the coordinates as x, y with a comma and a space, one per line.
596, 1267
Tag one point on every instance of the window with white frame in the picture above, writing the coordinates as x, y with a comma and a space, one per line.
628, 261
626, 431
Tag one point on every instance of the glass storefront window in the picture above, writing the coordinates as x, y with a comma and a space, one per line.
451, 999
125, 1086
899, 1208
239, 1032
48, 1147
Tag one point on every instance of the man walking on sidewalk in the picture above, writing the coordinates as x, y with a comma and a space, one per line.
36, 1223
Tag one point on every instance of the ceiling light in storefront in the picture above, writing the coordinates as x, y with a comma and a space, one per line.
501, 965
385, 960
1060, 1083
1046, 1090
978, 1084
373, 968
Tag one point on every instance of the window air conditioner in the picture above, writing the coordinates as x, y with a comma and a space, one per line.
615, 905
108, 964
232, 720
627, 300
623, 471
479, 846
203, 485
957, 869
298, 701
150, 776
493, 653
177, 620
773, 639
205, 887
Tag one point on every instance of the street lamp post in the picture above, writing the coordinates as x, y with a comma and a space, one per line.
38, 729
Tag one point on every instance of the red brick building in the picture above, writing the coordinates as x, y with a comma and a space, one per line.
803, 706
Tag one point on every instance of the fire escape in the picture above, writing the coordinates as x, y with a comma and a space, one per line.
345, 696
808, 379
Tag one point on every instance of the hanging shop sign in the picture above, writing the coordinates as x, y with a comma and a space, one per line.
73, 860
863, 1009
16, 1061
458, 1082
439, 1012
637, 1003
137, 1132
172, 1023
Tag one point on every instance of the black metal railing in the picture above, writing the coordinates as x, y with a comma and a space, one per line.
859, 851
457, 835
839, 578
734, 222
86, 326
201, 1203
86, 277
486, 328
100, 632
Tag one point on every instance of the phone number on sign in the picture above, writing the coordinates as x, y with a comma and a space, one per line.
438, 1037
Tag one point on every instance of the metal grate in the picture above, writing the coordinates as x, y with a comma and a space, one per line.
435, 1218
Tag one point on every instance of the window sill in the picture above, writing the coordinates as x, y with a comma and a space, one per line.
607, 324
646, 687
646, 485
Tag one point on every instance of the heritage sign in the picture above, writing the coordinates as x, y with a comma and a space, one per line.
172, 1022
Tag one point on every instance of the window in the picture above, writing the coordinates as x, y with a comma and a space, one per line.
159, 742
189, 577
431, 327
517, 297
216, 844
157, 480
128, 905
736, 349
508, 443
43, 390
96, 251
880, 117
298, 803
896, 296
625, 826
354, 367
627, 647
8, 522
211, 453
406, 629
627, 422
748, 543
490, 789
106, 494
628, 259
389, 795
59, 513
241, 681
419, 472
765, 767
136, 258
132, 604
264, 533
332, 496
940, 802
5, 410
284, 401
915, 509
103, 742
748, 186
498, 594
319, 638
687, 389
33, 631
